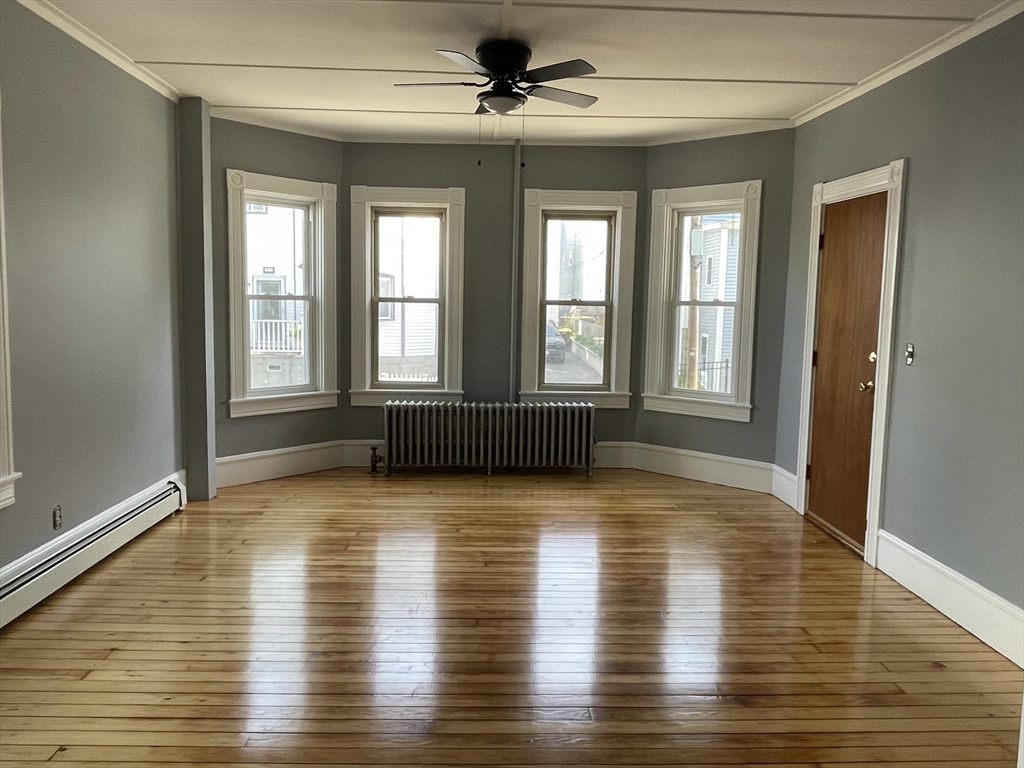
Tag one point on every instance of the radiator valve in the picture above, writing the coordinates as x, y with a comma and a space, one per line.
374, 460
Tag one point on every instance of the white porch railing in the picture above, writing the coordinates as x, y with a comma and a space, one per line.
276, 336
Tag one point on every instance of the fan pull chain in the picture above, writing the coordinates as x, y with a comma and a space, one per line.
522, 133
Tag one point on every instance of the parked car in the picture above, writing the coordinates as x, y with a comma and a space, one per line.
555, 345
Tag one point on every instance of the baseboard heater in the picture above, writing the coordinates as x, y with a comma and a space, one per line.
489, 435
42, 572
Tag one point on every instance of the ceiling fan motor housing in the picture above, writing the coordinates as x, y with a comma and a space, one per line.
505, 58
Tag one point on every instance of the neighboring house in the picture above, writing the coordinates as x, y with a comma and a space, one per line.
718, 280
716, 260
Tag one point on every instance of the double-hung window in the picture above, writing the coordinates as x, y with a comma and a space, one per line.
577, 291
700, 321
406, 294
282, 263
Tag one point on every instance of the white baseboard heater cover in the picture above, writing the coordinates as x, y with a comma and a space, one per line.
491, 435
42, 572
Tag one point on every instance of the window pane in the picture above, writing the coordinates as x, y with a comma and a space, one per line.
709, 256
577, 258
278, 343
574, 338
409, 252
407, 342
702, 357
275, 248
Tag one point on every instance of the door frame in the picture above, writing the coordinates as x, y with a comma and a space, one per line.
888, 178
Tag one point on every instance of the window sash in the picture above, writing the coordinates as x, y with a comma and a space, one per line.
674, 303
605, 384
674, 341
607, 302
375, 382
309, 347
546, 216
423, 213
376, 299
312, 300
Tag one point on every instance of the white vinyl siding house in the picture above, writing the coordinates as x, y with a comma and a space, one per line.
720, 270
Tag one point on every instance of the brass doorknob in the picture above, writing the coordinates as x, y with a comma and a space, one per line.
869, 387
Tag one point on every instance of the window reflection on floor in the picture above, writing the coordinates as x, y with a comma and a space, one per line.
405, 628
563, 656
691, 642
276, 682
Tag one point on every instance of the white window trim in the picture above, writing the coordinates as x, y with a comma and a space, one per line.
323, 371
364, 200
665, 205
7, 473
623, 206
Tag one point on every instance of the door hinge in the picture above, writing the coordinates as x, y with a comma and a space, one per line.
821, 241
814, 359
807, 475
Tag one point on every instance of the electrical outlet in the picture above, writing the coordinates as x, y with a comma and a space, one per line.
57, 521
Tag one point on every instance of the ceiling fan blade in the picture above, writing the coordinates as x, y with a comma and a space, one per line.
482, 110
574, 68
471, 64
571, 98
433, 85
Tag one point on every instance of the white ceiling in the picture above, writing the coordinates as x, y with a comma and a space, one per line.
667, 69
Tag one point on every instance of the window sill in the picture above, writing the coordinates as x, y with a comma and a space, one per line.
693, 406
377, 397
7, 489
618, 400
304, 401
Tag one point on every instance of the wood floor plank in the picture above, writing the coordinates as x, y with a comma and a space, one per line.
631, 619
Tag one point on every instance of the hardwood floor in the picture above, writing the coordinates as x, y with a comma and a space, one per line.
632, 619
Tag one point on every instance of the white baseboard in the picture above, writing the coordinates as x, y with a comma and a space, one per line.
693, 465
994, 620
784, 486
19, 601
298, 460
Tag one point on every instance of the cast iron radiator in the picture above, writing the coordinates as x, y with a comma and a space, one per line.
491, 435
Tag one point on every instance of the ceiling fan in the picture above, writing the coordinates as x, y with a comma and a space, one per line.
509, 83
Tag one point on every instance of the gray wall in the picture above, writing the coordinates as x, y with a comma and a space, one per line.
89, 175
767, 156
956, 447
486, 172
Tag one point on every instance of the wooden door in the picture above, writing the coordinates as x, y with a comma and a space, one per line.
849, 295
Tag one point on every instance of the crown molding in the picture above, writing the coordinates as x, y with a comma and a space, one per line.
489, 141
991, 18
225, 114
51, 13
780, 125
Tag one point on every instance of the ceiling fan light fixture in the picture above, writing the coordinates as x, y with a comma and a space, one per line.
501, 101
